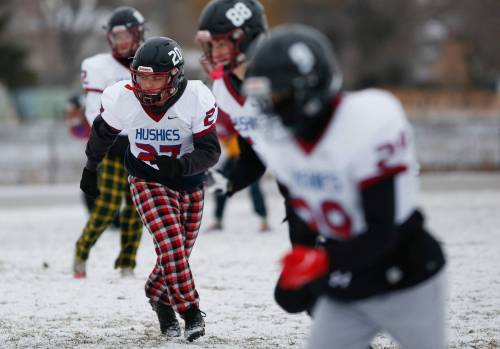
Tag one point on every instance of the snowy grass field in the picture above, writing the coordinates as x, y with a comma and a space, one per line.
42, 306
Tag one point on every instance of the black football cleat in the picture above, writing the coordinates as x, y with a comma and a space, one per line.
168, 321
195, 325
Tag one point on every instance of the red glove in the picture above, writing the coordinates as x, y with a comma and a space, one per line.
302, 265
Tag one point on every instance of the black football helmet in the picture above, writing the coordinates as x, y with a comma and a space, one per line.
239, 21
158, 56
129, 19
293, 74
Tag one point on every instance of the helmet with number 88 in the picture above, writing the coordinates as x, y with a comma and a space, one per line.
157, 58
238, 21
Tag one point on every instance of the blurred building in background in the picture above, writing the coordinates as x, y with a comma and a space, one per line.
441, 58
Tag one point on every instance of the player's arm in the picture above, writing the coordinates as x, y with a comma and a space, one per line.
205, 154
101, 138
248, 168
105, 129
378, 202
380, 236
206, 145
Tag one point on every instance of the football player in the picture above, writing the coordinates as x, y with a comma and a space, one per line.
125, 32
170, 123
349, 163
227, 30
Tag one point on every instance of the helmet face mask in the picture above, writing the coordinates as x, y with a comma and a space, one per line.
229, 61
238, 22
273, 104
124, 42
161, 86
157, 71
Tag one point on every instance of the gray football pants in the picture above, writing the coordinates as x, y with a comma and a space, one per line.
415, 317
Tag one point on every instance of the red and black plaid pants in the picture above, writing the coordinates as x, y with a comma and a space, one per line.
173, 218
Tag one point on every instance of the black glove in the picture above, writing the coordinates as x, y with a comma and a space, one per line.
88, 183
169, 167
301, 299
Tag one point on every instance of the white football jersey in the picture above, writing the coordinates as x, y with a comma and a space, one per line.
242, 111
99, 72
193, 115
368, 138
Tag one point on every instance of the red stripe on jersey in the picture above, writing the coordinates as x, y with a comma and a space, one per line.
204, 132
90, 89
239, 98
386, 172
225, 126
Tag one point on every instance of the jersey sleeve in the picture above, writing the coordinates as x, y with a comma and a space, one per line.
206, 113
93, 84
109, 108
386, 151
92, 106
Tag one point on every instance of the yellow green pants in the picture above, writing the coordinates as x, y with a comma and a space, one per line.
114, 189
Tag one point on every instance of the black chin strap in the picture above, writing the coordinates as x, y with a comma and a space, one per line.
314, 127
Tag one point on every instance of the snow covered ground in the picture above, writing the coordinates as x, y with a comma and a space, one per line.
41, 306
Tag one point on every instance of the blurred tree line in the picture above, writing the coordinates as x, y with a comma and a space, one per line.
14, 70
426, 43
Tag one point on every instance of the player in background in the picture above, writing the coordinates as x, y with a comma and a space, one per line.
348, 161
79, 128
226, 31
170, 123
228, 137
227, 28
125, 32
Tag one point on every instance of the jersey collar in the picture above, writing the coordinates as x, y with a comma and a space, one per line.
309, 145
232, 90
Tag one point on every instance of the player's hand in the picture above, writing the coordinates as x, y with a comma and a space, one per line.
88, 183
217, 183
302, 265
169, 167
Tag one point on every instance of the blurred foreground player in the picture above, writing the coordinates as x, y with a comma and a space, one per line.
349, 164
